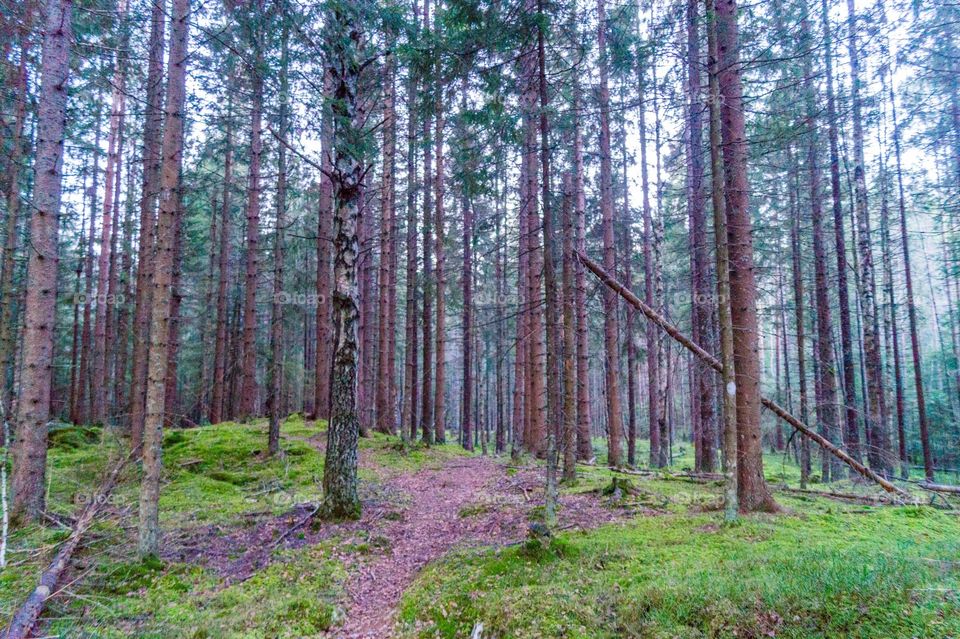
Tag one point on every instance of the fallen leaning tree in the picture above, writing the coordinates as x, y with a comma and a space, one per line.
711, 361
27, 614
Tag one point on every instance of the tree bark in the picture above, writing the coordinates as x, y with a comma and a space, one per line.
325, 283
408, 420
33, 405
220, 386
248, 395
702, 387
275, 402
851, 427
827, 407
610, 328
426, 397
152, 131
172, 151
879, 440
345, 67
101, 346
584, 443
752, 488
386, 419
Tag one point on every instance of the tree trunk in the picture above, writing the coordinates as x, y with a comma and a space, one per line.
798, 304
552, 304
827, 406
11, 188
325, 283
152, 131
172, 415
408, 420
33, 405
851, 427
386, 419
346, 177
172, 151
752, 487
570, 381
467, 424
702, 387
220, 385
610, 328
439, 426
584, 443
879, 451
426, 397
248, 395
101, 345
275, 396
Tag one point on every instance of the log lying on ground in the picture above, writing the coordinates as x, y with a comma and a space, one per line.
939, 488
28, 613
711, 361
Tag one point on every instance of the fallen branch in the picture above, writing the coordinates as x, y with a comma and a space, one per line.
297, 525
28, 613
711, 361
939, 488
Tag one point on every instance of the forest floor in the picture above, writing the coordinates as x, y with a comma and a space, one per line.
440, 550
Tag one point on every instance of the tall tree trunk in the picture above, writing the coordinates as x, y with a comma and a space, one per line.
827, 406
649, 283
702, 387
798, 304
426, 397
172, 151
467, 424
248, 395
408, 420
584, 443
275, 401
570, 381
172, 415
879, 451
752, 487
33, 405
610, 328
851, 427
386, 419
220, 384
75, 389
440, 355
552, 308
86, 336
325, 283
344, 67
11, 188
206, 356
100, 378
152, 131
728, 373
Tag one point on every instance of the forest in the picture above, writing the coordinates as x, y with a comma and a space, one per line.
495, 319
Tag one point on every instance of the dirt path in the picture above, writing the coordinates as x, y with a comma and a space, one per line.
467, 502
409, 519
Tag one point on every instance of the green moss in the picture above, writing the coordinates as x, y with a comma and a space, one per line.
890, 573
294, 597
394, 455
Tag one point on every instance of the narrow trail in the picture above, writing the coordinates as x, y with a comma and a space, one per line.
409, 520
467, 502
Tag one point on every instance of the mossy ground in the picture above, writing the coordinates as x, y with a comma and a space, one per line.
822, 569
